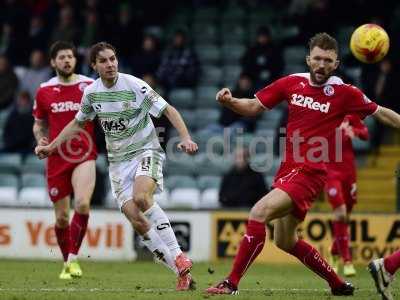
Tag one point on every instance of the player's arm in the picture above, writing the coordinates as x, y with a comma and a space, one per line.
243, 106
41, 132
67, 133
176, 120
387, 117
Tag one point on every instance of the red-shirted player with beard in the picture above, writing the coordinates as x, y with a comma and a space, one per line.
318, 103
72, 168
341, 190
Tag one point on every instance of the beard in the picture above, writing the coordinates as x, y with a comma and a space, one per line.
65, 74
321, 78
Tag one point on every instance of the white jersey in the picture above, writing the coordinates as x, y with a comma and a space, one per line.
123, 111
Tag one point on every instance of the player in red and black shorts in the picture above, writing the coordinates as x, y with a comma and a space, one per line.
317, 103
72, 169
341, 190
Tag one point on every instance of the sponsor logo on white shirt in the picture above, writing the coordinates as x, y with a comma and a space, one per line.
310, 103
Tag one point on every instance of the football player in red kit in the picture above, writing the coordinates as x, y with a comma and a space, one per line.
341, 190
72, 169
318, 103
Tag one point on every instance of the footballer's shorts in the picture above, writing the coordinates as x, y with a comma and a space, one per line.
302, 183
341, 192
122, 174
59, 175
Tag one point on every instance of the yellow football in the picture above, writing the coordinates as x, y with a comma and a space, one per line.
369, 43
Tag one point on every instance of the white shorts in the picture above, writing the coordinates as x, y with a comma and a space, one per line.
122, 174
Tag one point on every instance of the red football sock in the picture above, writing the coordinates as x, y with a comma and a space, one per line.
392, 262
250, 246
63, 240
342, 237
310, 257
78, 230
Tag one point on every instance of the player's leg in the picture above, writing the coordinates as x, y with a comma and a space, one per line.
62, 230
83, 180
275, 204
382, 271
285, 234
134, 210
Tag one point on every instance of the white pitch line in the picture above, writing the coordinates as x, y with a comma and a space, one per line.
162, 290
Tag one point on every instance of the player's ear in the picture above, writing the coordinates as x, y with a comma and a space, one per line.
308, 60
93, 65
52, 63
337, 62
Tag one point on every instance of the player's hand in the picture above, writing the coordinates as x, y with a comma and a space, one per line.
44, 141
348, 129
188, 146
43, 151
224, 96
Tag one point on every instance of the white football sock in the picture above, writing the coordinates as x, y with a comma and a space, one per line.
72, 257
154, 243
161, 224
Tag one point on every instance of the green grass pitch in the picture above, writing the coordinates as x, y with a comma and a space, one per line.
146, 280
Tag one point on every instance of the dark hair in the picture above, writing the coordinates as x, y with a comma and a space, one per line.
96, 48
323, 41
61, 45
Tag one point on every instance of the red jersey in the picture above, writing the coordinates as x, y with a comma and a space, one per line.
314, 114
57, 103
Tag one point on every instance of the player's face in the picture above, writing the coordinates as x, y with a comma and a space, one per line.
64, 63
322, 64
106, 64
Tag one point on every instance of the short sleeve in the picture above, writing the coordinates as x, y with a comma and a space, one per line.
86, 112
272, 94
359, 104
39, 111
158, 104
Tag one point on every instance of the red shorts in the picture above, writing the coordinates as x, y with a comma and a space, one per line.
341, 192
302, 183
59, 174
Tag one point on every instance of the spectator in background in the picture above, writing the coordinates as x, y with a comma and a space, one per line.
10, 45
241, 186
147, 59
91, 32
263, 61
66, 28
37, 73
37, 35
179, 65
228, 118
18, 135
8, 83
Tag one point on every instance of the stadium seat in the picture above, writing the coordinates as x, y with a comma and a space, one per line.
361, 146
102, 163
210, 75
185, 198
295, 55
162, 198
179, 181
208, 54
182, 98
232, 33
231, 75
294, 68
179, 164
210, 198
209, 141
34, 196
263, 163
10, 163
205, 33
8, 189
32, 164
215, 165
233, 53
269, 180
205, 14
189, 116
205, 97
206, 117
233, 15
33, 180
207, 182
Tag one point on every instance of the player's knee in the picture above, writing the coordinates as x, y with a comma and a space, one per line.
142, 200
62, 219
82, 206
341, 217
284, 244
